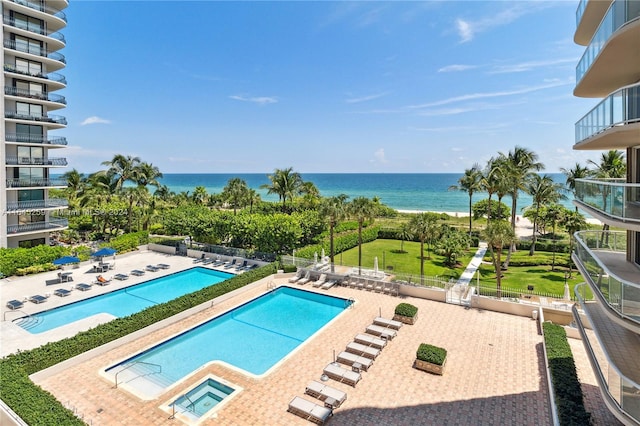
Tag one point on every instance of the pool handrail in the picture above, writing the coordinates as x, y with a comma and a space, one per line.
136, 363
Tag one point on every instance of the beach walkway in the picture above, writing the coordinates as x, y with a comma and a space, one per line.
473, 266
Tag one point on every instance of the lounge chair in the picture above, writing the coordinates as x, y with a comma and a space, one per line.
64, 277
207, 260
163, 266
62, 292
250, 267
218, 262
309, 410
329, 284
100, 280
387, 323
14, 304
306, 279
241, 266
200, 259
363, 350
369, 340
37, 299
385, 333
339, 374
351, 359
230, 265
320, 281
298, 276
152, 268
121, 277
137, 272
378, 286
83, 287
330, 396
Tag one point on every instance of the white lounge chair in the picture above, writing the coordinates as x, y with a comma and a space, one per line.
298, 276
306, 279
387, 323
363, 350
343, 375
320, 281
309, 410
377, 330
329, 284
326, 393
351, 359
369, 340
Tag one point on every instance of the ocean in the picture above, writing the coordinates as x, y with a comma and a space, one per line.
410, 191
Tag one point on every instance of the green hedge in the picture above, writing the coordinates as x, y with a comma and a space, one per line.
12, 259
544, 245
38, 407
432, 354
406, 310
568, 393
341, 243
128, 242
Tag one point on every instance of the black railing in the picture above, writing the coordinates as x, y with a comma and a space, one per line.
43, 96
27, 183
51, 203
37, 226
36, 29
36, 117
53, 76
42, 8
34, 50
15, 137
13, 160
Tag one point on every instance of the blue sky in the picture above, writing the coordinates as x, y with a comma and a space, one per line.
224, 87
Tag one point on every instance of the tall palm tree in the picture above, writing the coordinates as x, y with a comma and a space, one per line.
576, 172
122, 168
498, 235
404, 233
311, 195
253, 198
333, 209
573, 222
554, 214
200, 195
361, 209
489, 182
146, 174
424, 226
235, 193
612, 165
284, 182
543, 190
76, 182
470, 182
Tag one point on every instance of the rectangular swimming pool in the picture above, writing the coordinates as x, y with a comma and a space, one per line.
125, 301
252, 337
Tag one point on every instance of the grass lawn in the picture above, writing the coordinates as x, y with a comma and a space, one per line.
388, 255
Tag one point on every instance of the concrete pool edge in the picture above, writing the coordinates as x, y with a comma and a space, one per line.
55, 369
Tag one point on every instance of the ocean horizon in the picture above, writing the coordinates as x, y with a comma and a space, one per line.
400, 191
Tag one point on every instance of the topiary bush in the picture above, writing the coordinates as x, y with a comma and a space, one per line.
406, 310
432, 354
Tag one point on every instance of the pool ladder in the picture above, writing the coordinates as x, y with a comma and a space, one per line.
141, 374
173, 406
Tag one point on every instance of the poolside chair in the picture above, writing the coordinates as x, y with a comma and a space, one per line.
200, 259
121, 277
230, 265
363, 350
368, 284
385, 333
339, 374
37, 299
137, 272
298, 276
387, 323
14, 304
378, 286
207, 260
361, 283
320, 281
83, 287
330, 396
369, 340
218, 262
309, 410
64, 277
353, 360
100, 280
152, 268
163, 266
241, 266
62, 292
305, 280
250, 267
329, 284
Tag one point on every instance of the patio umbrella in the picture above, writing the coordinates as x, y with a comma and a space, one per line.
105, 251
66, 260
375, 265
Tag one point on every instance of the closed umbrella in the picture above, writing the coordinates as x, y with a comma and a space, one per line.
375, 266
66, 260
567, 294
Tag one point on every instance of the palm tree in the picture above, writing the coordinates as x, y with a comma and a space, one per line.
498, 234
311, 194
146, 174
554, 215
75, 185
573, 221
200, 195
489, 182
286, 183
544, 191
333, 210
574, 173
470, 183
253, 198
424, 226
122, 168
404, 233
235, 193
611, 166
361, 209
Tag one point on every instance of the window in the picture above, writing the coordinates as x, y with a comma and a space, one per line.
28, 67
29, 133
28, 88
30, 154
31, 243
29, 110
31, 195
29, 45
28, 23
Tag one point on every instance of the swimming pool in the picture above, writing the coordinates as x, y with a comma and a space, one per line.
252, 337
125, 301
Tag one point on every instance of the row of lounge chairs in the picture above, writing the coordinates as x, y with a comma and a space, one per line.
373, 285
359, 355
236, 264
302, 277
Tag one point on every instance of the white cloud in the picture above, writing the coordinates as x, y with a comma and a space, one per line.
457, 68
261, 100
528, 66
366, 98
380, 156
94, 119
465, 31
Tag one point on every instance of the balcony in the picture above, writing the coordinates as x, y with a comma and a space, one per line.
34, 50
52, 203
612, 124
610, 200
36, 29
611, 60
601, 258
12, 160
47, 118
588, 16
54, 76
23, 93
17, 138
38, 226
36, 183
42, 8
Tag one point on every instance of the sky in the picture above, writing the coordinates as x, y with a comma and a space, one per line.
323, 87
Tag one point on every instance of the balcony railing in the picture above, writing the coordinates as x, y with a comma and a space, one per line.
37, 226
37, 29
48, 118
53, 76
621, 295
620, 12
580, 11
51, 203
14, 91
12, 160
14, 137
27, 183
34, 50
620, 108
612, 197
42, 8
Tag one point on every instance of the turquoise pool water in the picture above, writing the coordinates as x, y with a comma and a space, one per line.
125, 301
253, 337
198, 401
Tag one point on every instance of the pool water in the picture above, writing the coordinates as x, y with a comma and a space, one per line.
252, 337
126, 301
203, 398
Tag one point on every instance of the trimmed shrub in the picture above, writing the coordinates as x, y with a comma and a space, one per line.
433, 354
128, 242
406, 310
12, 259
